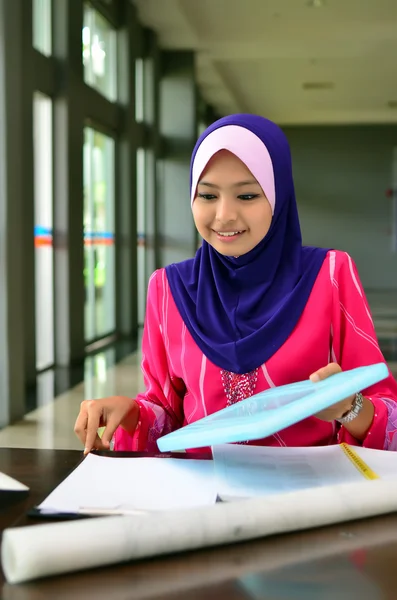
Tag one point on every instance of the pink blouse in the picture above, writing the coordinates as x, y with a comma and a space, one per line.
182, 385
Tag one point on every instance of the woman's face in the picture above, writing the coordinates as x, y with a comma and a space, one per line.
230, 209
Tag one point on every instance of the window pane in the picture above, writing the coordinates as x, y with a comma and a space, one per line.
139, 93
394, 201
141, 236
148, 94
144, 90
42, 38
99, 378
99, 251
99, 53
43, 221
146, 165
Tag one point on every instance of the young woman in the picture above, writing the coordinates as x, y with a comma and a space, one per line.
252, 310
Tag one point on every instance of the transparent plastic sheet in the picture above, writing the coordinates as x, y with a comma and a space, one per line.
271, 411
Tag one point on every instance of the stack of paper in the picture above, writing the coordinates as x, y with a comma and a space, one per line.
336, 490
250, 471
30, 552
123, 485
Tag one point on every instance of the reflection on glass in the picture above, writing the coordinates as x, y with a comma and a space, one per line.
99, 378
149, 90
146, 166
141, 235
99, 256
43, 223
144, 90
46, 434
394, 202
42, 38
139, 93
312, 581
201, 127
99, 53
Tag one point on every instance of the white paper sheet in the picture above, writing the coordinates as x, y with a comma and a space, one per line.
8, 484
383, 462
148, 484
250, 471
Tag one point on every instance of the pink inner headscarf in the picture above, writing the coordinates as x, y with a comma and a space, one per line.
247, 147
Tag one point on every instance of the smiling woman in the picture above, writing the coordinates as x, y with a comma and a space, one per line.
252, 310
231, 210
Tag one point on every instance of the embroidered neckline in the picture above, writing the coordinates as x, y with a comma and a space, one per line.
238, 387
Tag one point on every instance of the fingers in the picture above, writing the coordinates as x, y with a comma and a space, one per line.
94, 413
106, 411
325, 372
80, 427
111, 426
97, 445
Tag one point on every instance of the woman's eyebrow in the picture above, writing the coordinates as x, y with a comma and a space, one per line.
208, 184
247, 182
238, 184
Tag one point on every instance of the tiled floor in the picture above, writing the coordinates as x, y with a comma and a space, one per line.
50, 425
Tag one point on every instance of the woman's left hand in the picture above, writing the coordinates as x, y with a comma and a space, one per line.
336, 411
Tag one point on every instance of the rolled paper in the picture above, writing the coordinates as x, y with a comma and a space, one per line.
45, 550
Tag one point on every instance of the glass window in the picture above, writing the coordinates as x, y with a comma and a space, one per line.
99, 379
146, 165
394, 201
139, 92
144, 91
141, 234
43, 224
99, 251
201, 127
99, 53
42, 21
149, 92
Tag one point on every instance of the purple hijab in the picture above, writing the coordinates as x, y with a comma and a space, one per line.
240, 311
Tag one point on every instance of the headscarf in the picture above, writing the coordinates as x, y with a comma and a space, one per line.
240, 311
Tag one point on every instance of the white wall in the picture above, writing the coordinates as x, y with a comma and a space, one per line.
341, 176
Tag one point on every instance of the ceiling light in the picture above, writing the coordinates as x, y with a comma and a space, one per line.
318, 85
315, 3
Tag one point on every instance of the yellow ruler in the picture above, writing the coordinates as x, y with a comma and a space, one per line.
358, 462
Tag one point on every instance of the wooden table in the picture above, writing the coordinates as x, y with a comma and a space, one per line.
344, 562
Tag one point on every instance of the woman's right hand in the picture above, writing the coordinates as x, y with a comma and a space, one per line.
110, 413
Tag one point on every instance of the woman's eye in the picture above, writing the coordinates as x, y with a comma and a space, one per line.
248, 196
207, 196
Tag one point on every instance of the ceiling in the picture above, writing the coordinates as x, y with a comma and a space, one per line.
289, 60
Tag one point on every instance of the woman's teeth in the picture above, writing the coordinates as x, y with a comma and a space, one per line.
228, 233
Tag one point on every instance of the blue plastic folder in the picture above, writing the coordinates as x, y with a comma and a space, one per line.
271, 411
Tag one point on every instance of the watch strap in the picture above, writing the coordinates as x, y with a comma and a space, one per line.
355, 410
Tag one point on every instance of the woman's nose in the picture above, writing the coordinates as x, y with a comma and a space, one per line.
226, 210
